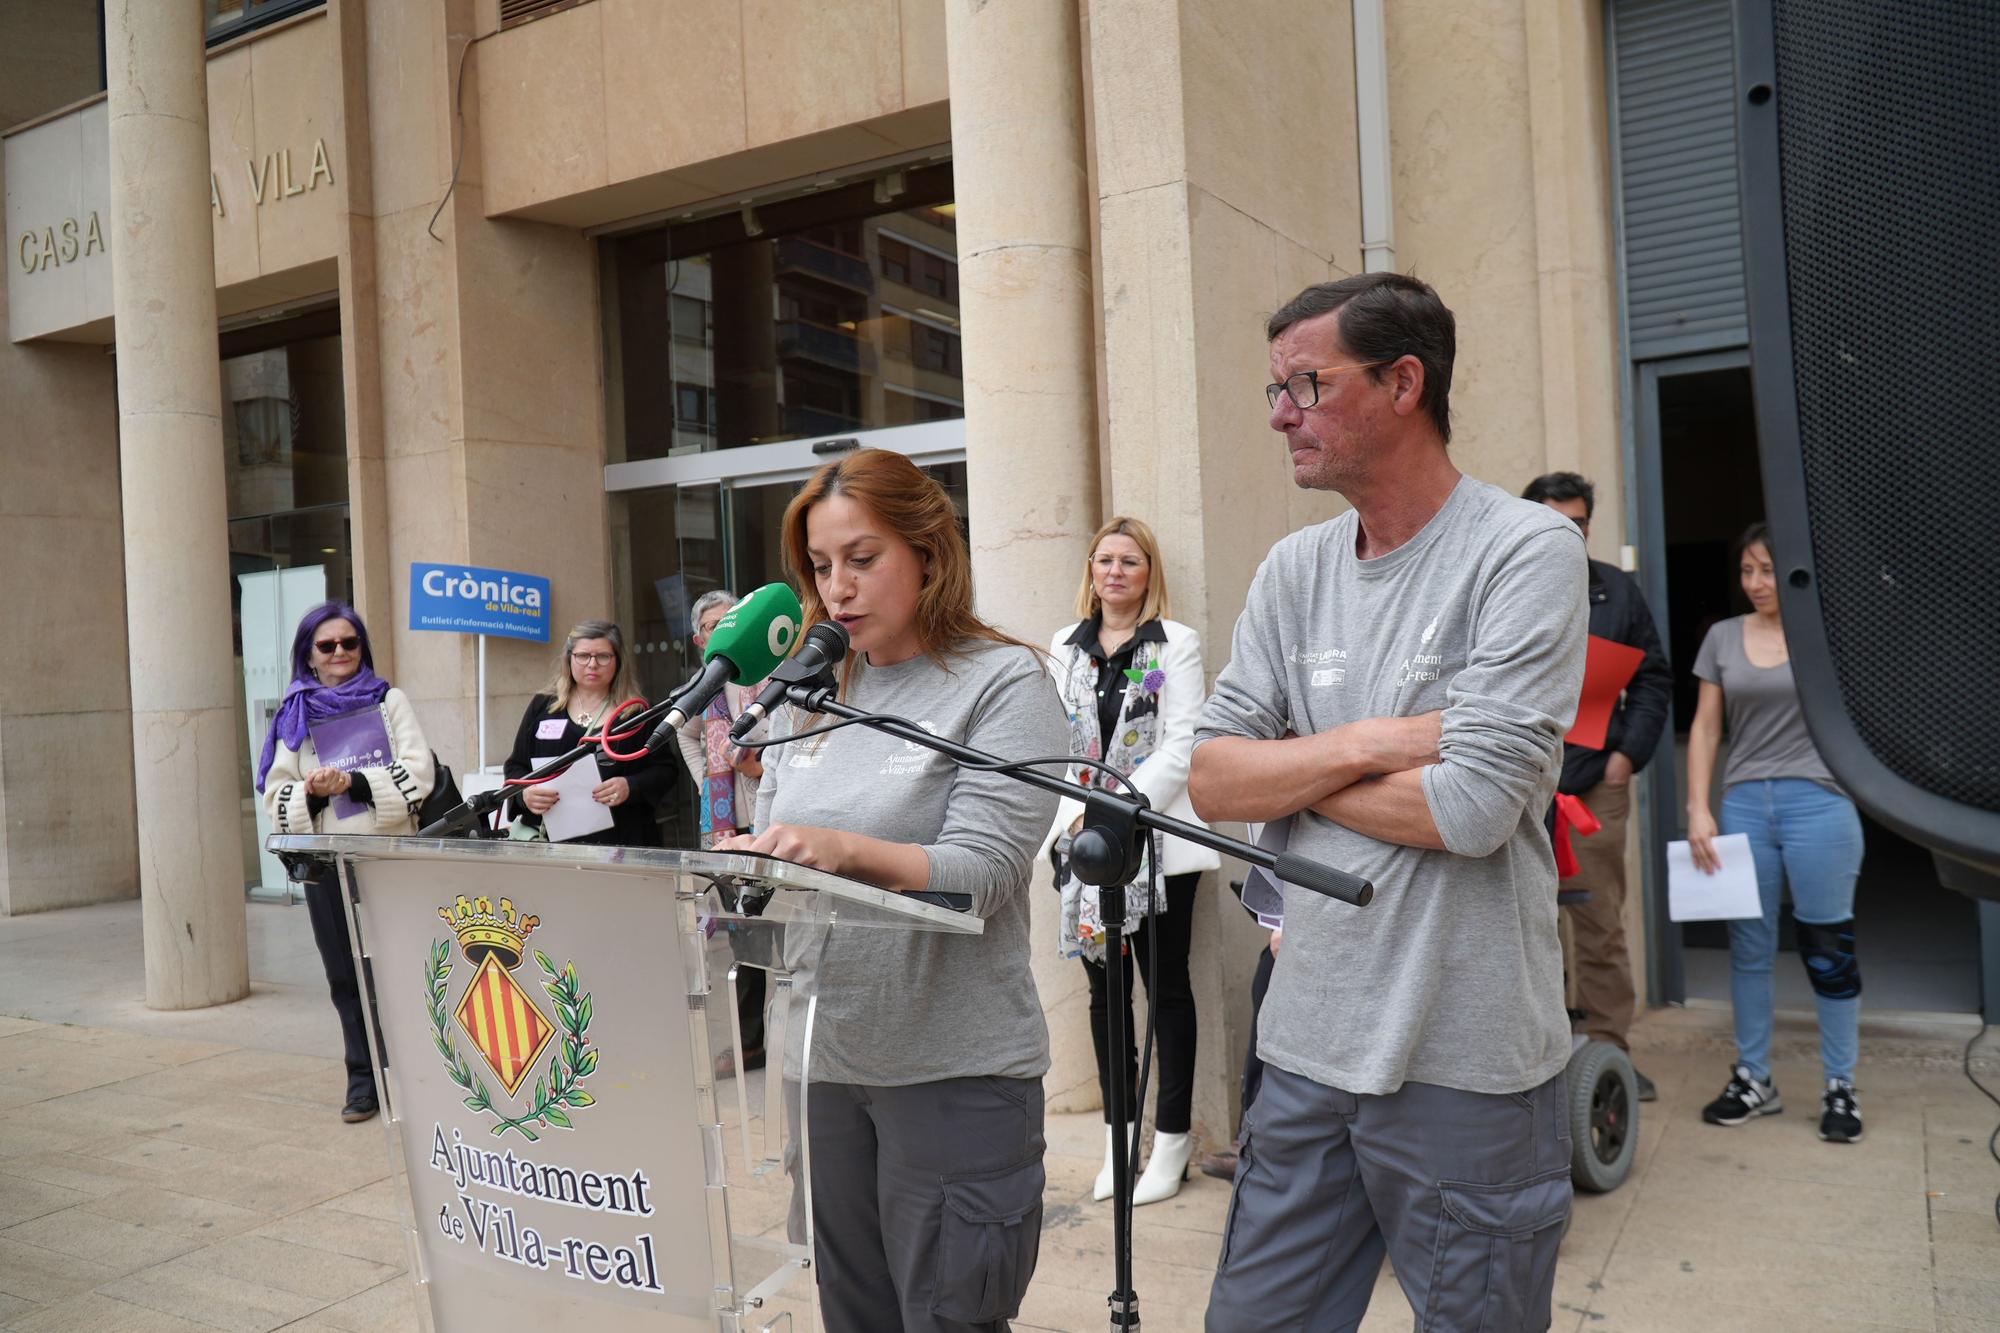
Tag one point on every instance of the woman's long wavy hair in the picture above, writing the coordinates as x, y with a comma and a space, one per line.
913, 506
624, 681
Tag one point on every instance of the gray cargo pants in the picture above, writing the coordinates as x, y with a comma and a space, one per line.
1467, 1192
927, 1203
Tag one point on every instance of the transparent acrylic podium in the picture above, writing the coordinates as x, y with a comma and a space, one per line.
547, 1022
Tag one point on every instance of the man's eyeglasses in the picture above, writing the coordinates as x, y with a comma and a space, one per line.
593, 659
346, 645
1303, 387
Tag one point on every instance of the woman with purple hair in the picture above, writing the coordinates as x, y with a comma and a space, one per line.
336, 698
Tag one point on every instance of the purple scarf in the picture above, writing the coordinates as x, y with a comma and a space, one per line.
307, 701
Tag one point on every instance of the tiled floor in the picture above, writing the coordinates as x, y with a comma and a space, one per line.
153, 1181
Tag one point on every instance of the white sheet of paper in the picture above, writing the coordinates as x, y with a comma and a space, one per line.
1730, 894
576, 813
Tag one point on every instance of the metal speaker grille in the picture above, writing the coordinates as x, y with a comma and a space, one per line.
1889, 139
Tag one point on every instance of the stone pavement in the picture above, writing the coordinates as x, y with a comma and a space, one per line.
188, 1172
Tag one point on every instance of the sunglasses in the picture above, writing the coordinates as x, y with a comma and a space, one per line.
346, 645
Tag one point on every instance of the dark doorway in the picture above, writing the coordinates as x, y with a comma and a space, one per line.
1919, 942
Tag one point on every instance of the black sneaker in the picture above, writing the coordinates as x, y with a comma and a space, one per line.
1647, 1092
1840, 1122
1744, 1098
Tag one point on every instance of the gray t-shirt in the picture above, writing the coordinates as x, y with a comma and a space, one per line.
1767, 728
898, 1008
1453, 975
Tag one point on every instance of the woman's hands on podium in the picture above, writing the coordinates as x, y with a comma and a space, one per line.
901, 866
539, 799
821, 848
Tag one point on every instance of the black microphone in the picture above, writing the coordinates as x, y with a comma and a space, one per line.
824, 647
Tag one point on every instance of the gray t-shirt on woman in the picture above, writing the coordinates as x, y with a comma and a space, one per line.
1767, 727
898, 1008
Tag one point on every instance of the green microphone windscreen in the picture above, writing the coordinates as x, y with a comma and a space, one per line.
758, 632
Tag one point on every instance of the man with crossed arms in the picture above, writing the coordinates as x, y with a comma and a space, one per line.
1399, 686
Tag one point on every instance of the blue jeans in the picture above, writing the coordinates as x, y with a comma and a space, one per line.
1803, 835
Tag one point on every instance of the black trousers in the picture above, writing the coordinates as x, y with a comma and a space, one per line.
1171, 995
336, 955
1253, 1065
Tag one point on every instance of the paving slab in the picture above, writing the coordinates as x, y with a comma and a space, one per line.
181, 1171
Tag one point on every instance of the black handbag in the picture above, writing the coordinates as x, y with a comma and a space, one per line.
444, 797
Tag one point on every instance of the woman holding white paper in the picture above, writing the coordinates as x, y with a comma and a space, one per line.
1803, 832
336, 702
591, 677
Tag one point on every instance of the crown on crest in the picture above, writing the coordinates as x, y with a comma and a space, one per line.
482, 931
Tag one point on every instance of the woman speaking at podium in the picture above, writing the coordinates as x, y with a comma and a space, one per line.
929, 1050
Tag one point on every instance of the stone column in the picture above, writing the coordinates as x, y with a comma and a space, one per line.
1022, 186
175, 516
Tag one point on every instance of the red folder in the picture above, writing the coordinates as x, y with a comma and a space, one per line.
1607, 669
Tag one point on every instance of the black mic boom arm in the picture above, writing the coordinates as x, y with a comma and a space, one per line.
1290, 867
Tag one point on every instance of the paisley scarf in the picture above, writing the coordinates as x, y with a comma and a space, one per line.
1132, 743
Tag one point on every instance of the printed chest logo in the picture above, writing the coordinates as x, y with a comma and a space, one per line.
806, 753
911, 757
1423, 666
1327, 665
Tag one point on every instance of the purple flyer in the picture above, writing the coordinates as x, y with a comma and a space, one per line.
352, 740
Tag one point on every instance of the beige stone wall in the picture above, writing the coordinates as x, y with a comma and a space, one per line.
475, 394
1498, 140
619, 108
66, 822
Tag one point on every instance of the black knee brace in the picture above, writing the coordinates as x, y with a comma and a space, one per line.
1828, 953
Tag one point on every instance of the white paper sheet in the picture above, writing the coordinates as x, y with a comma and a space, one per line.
1730, 894
576, 814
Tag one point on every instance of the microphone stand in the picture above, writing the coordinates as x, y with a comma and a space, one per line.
1105, 853
468, 818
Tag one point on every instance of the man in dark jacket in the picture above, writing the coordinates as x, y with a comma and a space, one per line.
1602, 779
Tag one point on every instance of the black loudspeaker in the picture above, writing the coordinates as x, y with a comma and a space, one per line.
1869, 142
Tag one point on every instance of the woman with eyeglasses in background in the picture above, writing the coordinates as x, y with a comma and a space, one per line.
591, 678
336, 697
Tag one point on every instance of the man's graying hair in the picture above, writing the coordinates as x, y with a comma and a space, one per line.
1383, 317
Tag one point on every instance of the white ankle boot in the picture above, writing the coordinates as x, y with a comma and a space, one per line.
1165, 1169
1102, 1190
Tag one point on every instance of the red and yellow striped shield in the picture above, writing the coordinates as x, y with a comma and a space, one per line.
503, 1023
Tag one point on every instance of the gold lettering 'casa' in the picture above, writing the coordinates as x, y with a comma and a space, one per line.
500, 1019
60, 243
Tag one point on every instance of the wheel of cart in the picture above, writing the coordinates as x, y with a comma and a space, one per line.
1603, 1115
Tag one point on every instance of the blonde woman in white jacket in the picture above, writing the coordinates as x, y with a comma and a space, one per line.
335, 692
1132, 684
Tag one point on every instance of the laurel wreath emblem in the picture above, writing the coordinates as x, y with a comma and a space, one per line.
560, 1087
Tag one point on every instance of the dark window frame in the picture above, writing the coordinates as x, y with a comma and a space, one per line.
257, 16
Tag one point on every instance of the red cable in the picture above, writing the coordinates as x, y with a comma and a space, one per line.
605, 736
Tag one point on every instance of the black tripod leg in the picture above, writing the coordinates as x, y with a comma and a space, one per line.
1124, 1300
